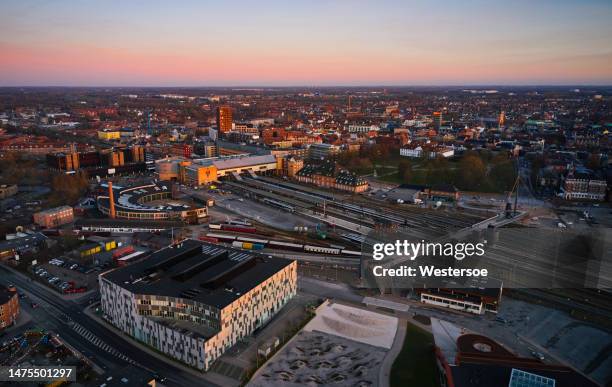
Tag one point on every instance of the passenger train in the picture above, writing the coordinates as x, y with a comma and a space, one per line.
272, 244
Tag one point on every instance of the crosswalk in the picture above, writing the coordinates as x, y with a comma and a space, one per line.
95, 340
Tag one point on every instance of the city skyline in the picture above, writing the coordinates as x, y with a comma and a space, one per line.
274, 44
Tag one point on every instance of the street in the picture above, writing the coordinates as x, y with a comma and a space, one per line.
101, 345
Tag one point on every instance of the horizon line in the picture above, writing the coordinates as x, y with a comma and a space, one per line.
307, 86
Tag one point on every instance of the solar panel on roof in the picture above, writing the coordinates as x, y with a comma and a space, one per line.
520, 378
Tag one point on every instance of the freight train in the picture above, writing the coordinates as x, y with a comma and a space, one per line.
234, 228
272, 244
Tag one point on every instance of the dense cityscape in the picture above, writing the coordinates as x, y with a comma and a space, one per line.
189, 234
306, 193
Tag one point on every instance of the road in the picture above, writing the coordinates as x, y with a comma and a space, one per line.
100, 344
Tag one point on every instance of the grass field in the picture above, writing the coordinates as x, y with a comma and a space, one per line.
416, 364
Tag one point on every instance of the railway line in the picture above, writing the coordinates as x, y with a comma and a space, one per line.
420, 222
254, 240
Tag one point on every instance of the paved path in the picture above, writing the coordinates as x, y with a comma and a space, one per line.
384, 374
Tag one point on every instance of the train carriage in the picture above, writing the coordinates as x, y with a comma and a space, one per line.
320, 249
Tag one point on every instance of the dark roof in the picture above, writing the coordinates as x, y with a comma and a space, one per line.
325, 169
88, 246
22, 243
486, 375
207, 273
413, 186
329, 169
445, 188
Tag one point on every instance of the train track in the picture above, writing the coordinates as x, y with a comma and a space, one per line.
413, 219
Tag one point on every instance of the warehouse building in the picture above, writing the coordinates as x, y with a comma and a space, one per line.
22, 244
193, 301
54, 217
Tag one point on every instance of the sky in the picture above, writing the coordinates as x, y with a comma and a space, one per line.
305, 43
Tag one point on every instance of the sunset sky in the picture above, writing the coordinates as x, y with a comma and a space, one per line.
311, 43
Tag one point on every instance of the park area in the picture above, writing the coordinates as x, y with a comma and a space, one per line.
416, 364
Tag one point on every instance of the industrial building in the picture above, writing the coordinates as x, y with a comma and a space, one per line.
108, 134
131, 203
193, 301
22, 243
9, 306
54, 217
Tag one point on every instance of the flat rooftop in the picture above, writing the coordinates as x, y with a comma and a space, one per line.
22, 242
199, 271
231, 162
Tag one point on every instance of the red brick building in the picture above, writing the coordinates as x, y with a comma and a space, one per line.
9, 307
54, 217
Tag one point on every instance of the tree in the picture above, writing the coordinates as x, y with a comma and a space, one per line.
471, 173
503, 175
67, 189
404, 170
407, 176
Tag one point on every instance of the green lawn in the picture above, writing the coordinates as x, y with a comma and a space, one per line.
392, 178
416, 364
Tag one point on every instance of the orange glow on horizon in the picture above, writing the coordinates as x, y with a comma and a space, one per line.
90, 65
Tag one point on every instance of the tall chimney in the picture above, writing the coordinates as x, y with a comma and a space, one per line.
111, 200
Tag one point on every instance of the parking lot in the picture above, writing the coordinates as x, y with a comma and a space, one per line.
66, 276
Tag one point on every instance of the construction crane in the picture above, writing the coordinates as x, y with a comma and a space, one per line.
514, 190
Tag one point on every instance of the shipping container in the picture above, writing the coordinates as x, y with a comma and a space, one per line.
123, 251
249, 230
205, 238
247, 245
